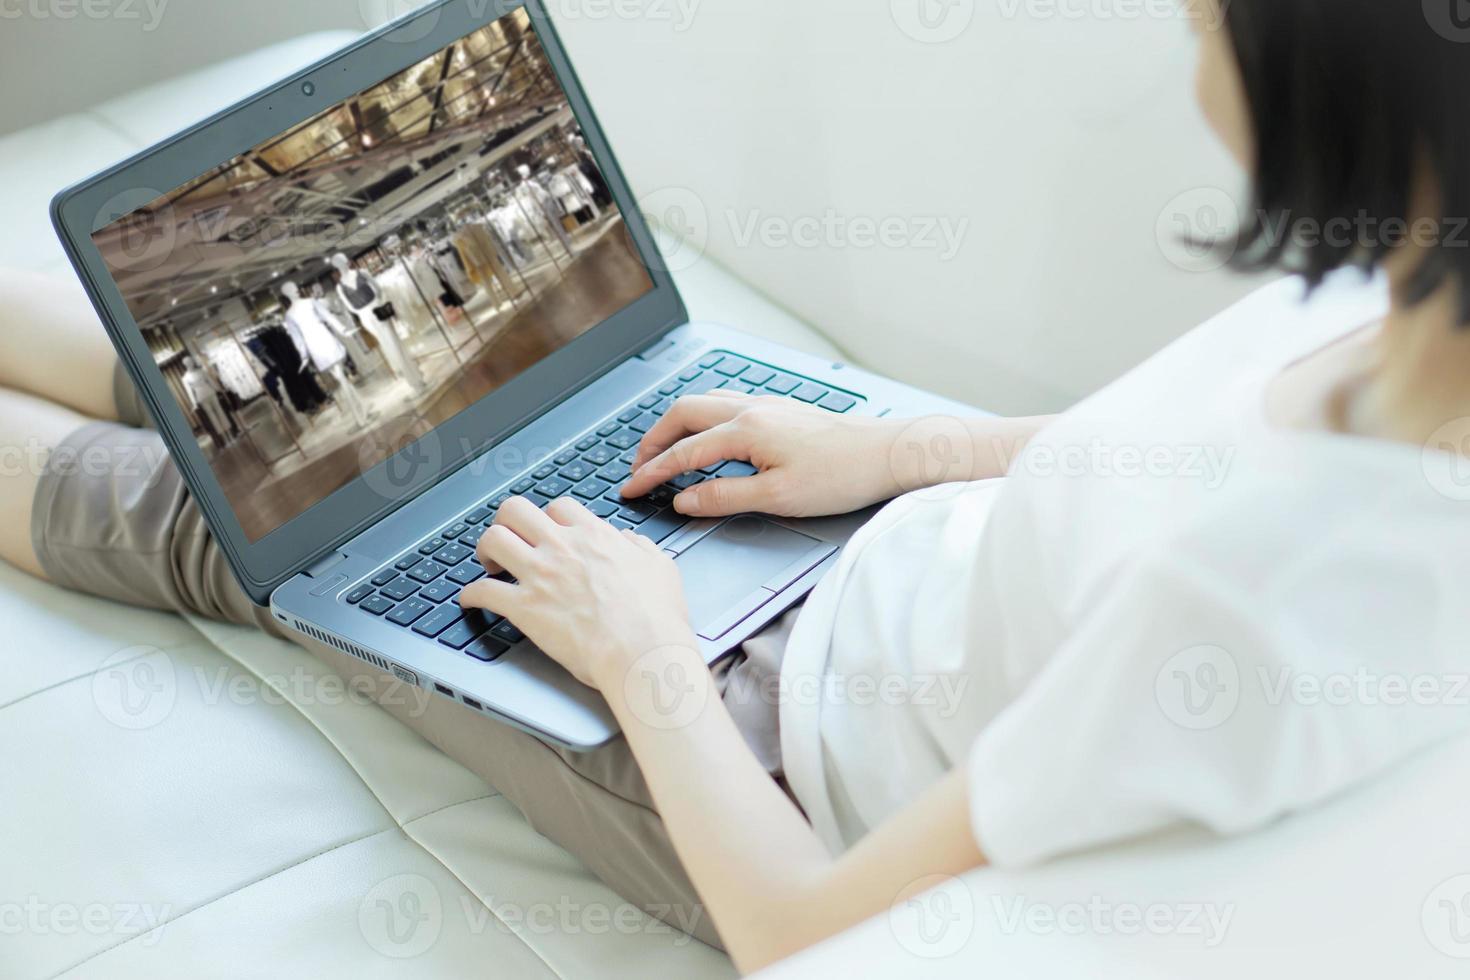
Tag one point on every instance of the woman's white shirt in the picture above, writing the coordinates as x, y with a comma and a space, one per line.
1170, 612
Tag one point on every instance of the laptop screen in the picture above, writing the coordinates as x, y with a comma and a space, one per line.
376, 270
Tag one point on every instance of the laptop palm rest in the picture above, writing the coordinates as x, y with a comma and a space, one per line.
742, 565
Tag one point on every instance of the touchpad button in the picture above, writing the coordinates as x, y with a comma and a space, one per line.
735, 560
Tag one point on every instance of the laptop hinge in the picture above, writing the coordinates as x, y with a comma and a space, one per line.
325, 565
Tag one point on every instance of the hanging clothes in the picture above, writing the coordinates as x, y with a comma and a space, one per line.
573, 192
398, 287
541, 208
446, 260
477, 249
377, 313
232, 368
204, 398
317, 334
277, 352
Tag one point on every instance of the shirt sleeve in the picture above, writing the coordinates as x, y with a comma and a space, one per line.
1190, 696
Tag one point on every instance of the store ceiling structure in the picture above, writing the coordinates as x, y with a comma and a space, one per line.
339, 182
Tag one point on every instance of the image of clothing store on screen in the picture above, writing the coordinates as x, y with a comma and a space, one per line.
380, 268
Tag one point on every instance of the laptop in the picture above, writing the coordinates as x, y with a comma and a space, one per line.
370, 304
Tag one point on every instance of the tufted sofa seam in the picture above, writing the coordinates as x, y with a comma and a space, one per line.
398, 827
182, 645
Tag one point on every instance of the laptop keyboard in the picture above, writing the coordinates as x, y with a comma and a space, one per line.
417, 592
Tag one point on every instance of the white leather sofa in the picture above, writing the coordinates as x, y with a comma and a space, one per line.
179, 798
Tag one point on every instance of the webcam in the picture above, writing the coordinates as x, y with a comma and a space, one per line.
308, 88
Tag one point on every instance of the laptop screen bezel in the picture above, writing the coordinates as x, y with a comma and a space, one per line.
83, 209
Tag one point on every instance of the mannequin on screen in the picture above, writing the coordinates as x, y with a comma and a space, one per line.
363, 297
540, 207
318, 338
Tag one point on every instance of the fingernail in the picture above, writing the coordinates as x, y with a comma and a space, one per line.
684, 502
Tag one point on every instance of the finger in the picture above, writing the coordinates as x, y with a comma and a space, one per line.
525, 519
691, 414
694, 453
723, 497
569, 512
490, 594
502, 550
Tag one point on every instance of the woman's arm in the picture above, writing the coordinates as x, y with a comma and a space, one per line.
771, 888
812, 462
609, 606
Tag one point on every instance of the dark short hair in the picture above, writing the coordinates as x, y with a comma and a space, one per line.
1351, 100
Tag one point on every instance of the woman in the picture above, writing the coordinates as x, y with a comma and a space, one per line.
1102, 645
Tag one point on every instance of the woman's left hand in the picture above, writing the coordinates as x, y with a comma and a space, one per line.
593, 598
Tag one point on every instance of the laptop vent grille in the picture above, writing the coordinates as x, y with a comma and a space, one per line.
338, 643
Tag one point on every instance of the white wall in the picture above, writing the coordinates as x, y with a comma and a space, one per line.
1052, 145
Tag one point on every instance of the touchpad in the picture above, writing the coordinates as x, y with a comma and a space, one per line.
727, 572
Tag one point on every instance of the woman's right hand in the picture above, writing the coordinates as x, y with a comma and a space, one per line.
812, 462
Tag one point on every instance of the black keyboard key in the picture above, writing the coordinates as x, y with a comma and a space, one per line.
452, 554
636, 511
536, 500
615, 472
566, 457
661, 526
476, 623
691, 374
577, 472
427, 571
711, 360
544, 472
661, 496
626, 439
478, 516
439, 591
360, 593
603, 508
521, 486
739, 386
553, 488
608, 429
377, 605
705, 384
507, 632
385, 576
837, 402
733, 367
498, 501
586, 444
471, 538
466, 573
758, 375
686, 480
630, 415
487, 649
627, 458
662, 407
671, 389
643, 423
406, 562
783, 384
400, 589
809, 393
439, 620
736, 469
591, 489
429, 547
600, 455
410, 611
622, 525
454, 530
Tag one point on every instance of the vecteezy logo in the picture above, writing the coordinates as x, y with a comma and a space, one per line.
1199, 688
136, 688
679, 222
1446, 460
376, 13
933, 21
662, 694
1196, 230
933, 457
1446, 918
939, 919
401, 917
1450, 19
400, 456
139, 230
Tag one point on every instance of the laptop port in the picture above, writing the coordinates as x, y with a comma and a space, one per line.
444, 690
473, 703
